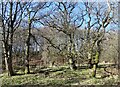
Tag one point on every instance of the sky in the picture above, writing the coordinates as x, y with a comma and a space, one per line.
80, 5
76, 11
64, 0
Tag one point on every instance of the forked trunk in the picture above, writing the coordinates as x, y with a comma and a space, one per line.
8, 60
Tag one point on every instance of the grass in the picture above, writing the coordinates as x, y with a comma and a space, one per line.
60, 77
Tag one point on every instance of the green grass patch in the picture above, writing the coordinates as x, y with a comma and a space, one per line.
60, 76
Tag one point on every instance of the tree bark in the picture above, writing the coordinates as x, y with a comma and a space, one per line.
10, 68
27, 70
8, 61
3, 63
90, 65
94, 70
72, 64
72, 53
95, 65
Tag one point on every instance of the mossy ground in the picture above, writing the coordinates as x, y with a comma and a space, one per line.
60, 77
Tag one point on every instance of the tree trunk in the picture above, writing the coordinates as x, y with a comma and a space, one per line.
5, 55
8, 62
3, 59
3, 63
8, 59
27, 70
72, 64
10, 68
10, 56
72, 53
95, 64
94, 70
90, 65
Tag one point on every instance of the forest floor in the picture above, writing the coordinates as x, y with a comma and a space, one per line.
59, 76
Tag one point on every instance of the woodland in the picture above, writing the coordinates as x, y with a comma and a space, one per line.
58, 43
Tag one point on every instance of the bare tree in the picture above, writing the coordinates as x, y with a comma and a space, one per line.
65, 20
32, 12
12, 14
99, 17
